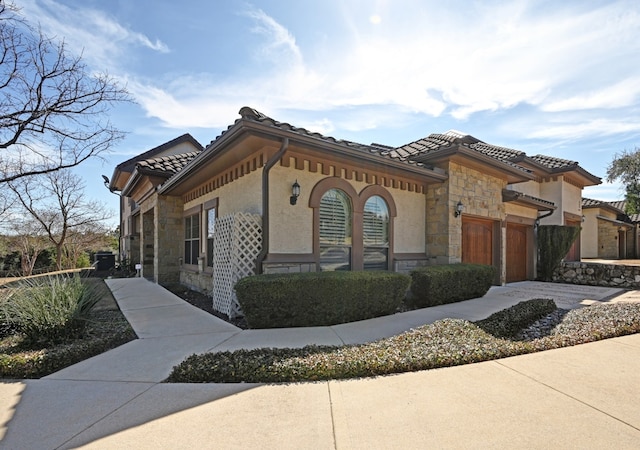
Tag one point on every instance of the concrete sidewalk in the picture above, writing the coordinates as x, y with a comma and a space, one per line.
578, 397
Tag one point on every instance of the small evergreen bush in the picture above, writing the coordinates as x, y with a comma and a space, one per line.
554, 242
319, 298
449, 283
508, 322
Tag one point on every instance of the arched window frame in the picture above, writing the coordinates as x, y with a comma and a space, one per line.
357, 201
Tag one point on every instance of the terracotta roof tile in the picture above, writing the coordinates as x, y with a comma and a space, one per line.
166, 165
554, 163
384, 151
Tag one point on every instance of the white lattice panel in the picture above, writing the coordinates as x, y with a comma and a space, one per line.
237, 241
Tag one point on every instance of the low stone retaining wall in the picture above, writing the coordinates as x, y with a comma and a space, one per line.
598, 274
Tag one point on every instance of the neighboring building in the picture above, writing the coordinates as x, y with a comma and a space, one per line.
443, 199
608, 232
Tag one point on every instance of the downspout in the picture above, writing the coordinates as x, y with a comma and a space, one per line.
265, 203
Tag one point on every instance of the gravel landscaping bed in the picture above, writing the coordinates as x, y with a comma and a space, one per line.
444, 343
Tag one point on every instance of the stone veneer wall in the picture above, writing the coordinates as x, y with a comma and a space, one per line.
288, 267
607, 240
169, 226
197, 281
596, 274
481, 195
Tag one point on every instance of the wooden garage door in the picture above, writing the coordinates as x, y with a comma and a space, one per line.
574, 251
517, 255
477, 241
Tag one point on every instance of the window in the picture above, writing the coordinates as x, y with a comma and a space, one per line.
192, 239
352, 230
335, 231
375, 234
211, 225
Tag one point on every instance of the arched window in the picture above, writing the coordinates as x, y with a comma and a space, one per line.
335, 214
375, 234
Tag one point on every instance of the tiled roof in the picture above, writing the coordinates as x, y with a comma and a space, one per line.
437, 142
418, 150
620, 204
384, 151
554, 163
500, 153
590, 203
166, 165
129, 164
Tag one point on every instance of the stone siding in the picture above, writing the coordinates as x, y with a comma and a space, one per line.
607, 240
288, 267
595, 274
481, 195
198, 281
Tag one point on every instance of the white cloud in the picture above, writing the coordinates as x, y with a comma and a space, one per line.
582, 129
427, 58
102, 41
619, 95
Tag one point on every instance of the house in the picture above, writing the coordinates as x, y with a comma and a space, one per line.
608, 232
266, 196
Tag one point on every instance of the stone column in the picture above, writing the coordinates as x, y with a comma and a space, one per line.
169, 239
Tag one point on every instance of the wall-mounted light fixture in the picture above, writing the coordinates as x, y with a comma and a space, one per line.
295, 193
459, 209
583, 218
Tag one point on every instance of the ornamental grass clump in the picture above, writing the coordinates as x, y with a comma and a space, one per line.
49, 309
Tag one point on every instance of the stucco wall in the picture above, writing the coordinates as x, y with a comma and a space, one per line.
531, 188
567, 198
292, 226
241, 195
589, 234
520, 211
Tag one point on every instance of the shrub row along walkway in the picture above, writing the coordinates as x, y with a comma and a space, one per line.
581, 396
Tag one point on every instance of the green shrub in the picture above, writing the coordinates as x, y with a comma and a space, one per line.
508, 322
319, 298
106, 330
554, 242
449, 283
49, 309
444, 343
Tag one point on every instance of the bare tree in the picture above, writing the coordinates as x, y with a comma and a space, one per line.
29, 241
53, 110
56, 201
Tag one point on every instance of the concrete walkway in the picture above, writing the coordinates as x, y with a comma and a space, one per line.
578, 397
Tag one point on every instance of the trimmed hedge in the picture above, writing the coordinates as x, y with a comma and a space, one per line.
509, 322
319, 298
449, 283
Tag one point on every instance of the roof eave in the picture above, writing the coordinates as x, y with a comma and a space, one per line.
520, 174
511, 196
246, 126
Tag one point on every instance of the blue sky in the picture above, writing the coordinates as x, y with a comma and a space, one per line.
560, 78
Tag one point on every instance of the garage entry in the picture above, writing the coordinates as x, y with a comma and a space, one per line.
518, 251
477, 240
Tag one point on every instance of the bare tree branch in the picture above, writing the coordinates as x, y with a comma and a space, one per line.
53, 110
56, 201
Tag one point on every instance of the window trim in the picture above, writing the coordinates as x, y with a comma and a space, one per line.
186, 214
211, 204
357, 202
